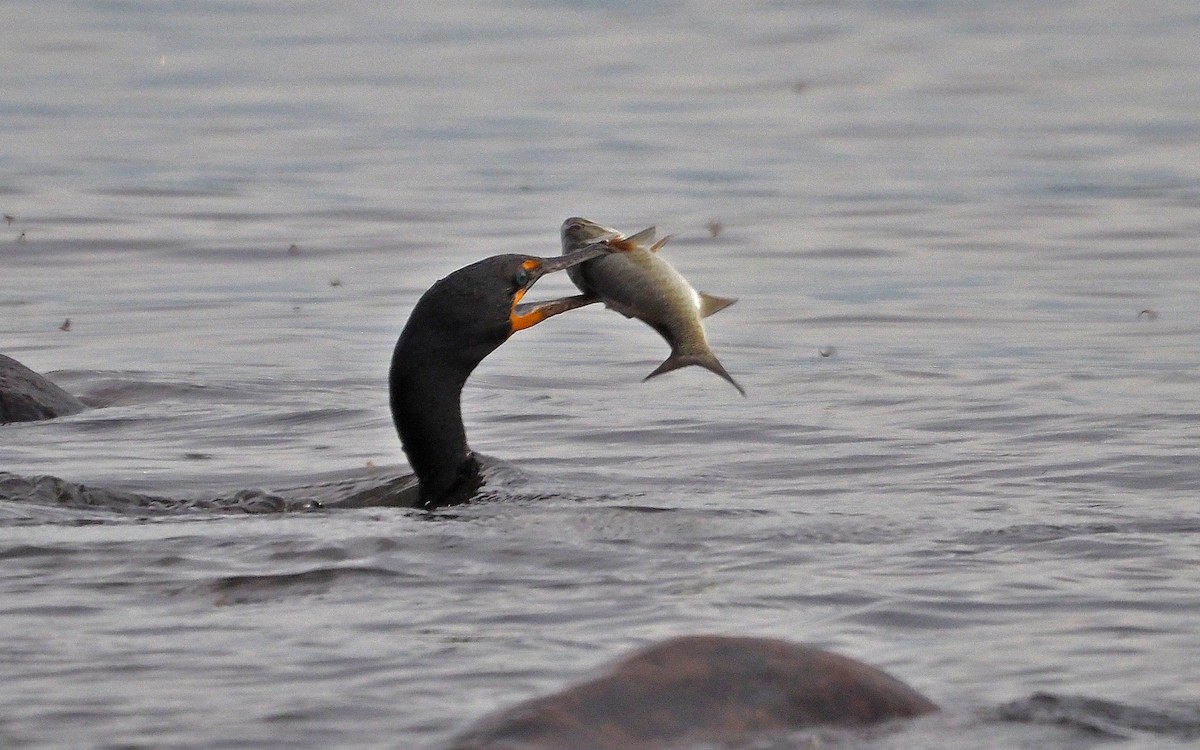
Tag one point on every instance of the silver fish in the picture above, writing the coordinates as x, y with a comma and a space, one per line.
637, 283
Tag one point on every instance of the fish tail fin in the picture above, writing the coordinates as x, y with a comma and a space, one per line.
658, 245
634, 241
707, 360
710, 304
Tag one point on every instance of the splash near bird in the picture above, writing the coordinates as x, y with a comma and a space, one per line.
637, 283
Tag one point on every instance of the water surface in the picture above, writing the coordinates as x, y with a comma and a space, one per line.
986, 215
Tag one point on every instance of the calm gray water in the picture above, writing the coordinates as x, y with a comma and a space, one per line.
986, 212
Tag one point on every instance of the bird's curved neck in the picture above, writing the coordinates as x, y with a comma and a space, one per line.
425, 400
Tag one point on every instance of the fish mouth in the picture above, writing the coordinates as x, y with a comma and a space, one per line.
577, 231
528, 314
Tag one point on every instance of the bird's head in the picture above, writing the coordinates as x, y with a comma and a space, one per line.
465, 316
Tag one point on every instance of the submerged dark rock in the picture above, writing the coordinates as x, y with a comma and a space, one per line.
26, 396
1103, 717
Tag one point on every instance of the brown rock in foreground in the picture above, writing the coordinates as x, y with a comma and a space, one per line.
710, 689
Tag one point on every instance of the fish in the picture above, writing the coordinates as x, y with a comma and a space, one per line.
636, 282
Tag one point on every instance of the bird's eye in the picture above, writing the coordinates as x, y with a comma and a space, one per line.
521, 278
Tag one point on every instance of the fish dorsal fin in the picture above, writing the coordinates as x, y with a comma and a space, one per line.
658, 245
643, 236
634, 241
710, 304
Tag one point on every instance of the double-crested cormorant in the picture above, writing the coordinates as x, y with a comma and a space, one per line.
460, 320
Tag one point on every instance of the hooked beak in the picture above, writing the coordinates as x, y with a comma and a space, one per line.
526, 315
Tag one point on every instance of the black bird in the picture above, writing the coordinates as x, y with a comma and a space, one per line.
460, 320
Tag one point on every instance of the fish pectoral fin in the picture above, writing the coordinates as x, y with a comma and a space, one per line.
658, 245
707, 360
615, 307
710, 304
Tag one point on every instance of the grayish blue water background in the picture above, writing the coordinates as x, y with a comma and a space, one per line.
989, 489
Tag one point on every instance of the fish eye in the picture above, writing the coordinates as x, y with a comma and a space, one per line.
521, 278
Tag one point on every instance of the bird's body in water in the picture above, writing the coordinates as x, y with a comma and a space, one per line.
460, 320
702, 691
637, 283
